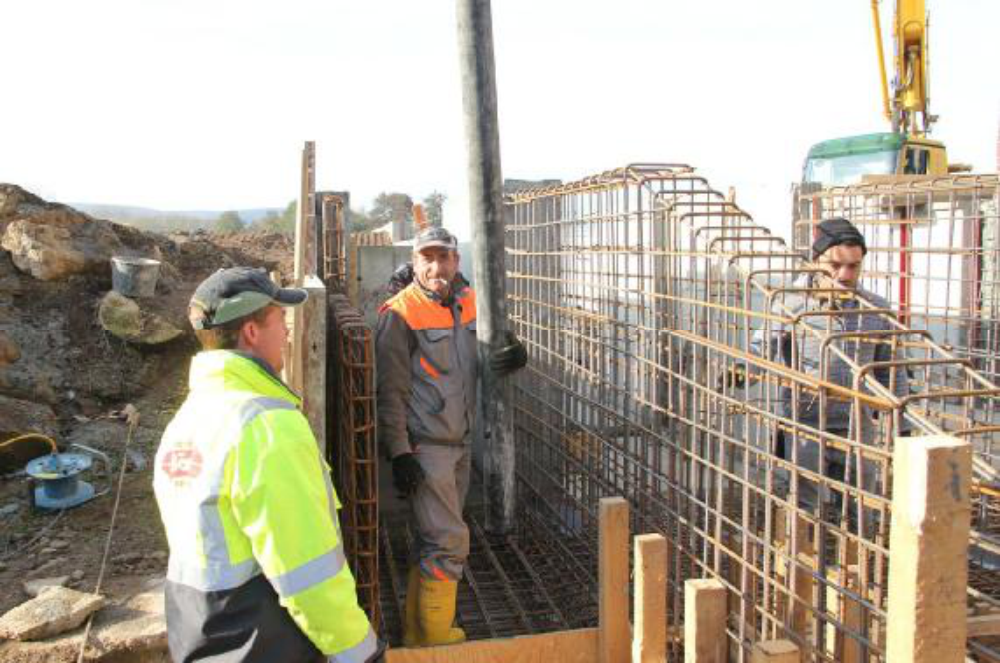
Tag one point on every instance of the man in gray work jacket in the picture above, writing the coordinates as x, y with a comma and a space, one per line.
427, 365
835, 307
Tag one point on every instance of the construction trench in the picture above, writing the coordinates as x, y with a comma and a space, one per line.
639, 293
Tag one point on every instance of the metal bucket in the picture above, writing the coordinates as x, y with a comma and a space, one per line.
134, 277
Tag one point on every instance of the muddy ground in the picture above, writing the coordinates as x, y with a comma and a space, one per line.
69, 365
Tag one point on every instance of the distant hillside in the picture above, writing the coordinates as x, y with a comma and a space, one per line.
167, 220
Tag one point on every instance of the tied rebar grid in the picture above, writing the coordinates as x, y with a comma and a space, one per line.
649, 303
351, 449
934, 253
513, 585
334, 242
351, 446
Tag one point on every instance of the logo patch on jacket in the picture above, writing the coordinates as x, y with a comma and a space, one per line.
182, 464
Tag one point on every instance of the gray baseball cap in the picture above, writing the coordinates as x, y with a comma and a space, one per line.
236, 292
436, 236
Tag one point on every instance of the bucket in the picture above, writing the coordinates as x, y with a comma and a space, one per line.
134, 277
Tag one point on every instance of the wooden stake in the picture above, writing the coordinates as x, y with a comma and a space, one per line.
775, 651
853, 617
929, 550
303, 238
649, 639
614, 636
314, 359
705, 622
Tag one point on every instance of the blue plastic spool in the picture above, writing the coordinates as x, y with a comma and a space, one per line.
58, 478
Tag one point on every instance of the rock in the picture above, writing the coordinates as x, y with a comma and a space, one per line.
122, 317
59, 243
3, 567
45, 568
136, 461
50, 613
58, 544
137, 626
10, 352
133, 629
20, 416
46, 551
15, 201
77, 575
11, 281
36, 587
9, 509
159, 555
127, 558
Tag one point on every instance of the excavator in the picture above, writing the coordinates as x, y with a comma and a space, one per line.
906, 149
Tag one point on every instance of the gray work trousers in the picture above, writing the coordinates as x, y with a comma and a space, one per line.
442, 537
807, 457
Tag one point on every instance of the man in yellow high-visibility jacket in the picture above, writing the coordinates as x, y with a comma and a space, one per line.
257, 569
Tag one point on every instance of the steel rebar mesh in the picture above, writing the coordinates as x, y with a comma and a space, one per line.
334, 241
514, 585
934, 253
651, 307
351, 449
351, 445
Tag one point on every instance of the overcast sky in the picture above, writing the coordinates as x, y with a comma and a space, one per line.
184, 104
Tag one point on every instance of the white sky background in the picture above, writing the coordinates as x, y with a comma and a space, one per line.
183, 104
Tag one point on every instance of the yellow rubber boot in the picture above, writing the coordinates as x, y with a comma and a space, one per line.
436, 612
411, 628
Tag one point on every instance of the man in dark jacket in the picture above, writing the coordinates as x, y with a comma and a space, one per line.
427, 377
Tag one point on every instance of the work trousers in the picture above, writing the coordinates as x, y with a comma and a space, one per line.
442, 537
836, 460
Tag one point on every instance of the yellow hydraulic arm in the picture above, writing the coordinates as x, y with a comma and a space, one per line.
910, 112
881, 61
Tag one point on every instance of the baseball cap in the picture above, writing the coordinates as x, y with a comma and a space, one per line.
436, 236
236, 292
834, 232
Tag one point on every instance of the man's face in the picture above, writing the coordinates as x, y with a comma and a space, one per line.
266, 339
434, 268
843, 264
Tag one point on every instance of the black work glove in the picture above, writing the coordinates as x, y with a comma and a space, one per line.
509, 358
407, 474
734, 377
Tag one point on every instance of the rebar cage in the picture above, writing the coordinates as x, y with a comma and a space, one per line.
686, 358
351, 445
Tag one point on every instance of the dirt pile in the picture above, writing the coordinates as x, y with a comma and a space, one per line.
63, 374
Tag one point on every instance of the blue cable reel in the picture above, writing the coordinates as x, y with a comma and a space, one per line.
57, 478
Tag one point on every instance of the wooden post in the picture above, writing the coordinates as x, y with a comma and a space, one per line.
613, 636
482, 139
775, 651
649, 638
303, 238
314, 359
303, 234
793, 538
705, 622
841, 646
928, 547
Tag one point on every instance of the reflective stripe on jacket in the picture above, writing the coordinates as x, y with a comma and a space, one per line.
257, 569
427, 369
